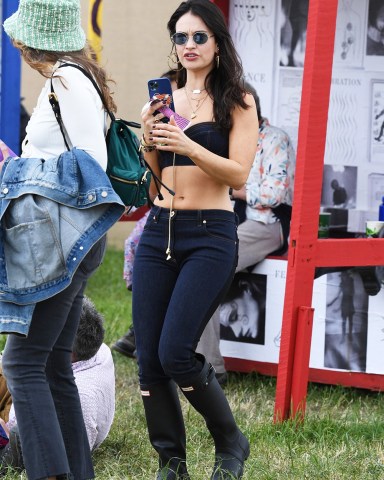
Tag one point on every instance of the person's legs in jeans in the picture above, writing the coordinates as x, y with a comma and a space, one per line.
38, 370
153, 282
173, 311
174, 299
256, 241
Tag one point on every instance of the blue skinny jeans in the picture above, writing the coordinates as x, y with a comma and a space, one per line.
174, 299
38, 370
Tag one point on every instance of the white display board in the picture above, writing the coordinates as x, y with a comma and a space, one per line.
270, 36
348, 327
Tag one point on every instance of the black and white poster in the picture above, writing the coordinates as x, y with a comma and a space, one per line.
374, 59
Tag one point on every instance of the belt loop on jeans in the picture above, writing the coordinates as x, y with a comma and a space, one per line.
199, 218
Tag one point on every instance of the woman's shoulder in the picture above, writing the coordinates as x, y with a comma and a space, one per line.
68, 78
249, 112
249, 100
69, 73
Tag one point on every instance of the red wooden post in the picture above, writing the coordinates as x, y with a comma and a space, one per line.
308, 182
301, 361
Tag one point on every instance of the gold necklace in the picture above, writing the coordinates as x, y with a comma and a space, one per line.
199, 103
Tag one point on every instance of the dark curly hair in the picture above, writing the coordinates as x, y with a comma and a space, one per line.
90, 334
224, 84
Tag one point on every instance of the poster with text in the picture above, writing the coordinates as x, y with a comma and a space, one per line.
253, 29
288, 109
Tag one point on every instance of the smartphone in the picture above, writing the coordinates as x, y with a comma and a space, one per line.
160, 86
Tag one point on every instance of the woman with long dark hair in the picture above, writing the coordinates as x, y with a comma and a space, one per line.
187, 254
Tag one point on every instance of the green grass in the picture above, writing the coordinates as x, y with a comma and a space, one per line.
342, 436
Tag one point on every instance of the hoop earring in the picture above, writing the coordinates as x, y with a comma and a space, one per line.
217, 61
172, 57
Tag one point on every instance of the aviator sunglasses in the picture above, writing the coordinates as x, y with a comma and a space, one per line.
181, 38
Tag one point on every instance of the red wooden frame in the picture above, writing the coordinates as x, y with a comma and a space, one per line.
332, 377
306, 251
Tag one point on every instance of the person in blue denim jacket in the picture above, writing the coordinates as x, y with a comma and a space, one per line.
56, 208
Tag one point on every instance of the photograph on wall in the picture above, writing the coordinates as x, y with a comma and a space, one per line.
293, 32
242, 313
339, 187
374, 59
375, 189
252, 26
375, 358
350, 33
258, 337
377, 121
346, 322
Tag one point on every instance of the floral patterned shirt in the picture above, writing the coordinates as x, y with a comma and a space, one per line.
270, 181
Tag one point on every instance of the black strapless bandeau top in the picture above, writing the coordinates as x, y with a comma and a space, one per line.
206, 134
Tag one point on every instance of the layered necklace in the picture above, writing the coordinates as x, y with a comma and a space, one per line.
199, 101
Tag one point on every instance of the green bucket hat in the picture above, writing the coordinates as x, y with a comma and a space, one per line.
52, 25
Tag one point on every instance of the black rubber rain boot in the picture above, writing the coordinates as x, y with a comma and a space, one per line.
231, 446
166, 429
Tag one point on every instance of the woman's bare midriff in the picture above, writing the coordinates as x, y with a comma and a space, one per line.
194, 190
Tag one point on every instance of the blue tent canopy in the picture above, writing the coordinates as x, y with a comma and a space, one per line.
9, 82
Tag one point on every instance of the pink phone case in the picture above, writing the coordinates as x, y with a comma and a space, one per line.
181, 122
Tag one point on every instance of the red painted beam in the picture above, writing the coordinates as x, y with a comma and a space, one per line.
308, 181
371, 381
351, 252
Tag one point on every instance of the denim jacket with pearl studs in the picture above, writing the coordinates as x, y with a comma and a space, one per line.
51, 212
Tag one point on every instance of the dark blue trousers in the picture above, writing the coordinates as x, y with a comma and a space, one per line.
38, 370
174, 299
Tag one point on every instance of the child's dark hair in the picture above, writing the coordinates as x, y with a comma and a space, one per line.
90, 334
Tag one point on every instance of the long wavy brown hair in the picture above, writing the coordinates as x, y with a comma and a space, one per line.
42, 61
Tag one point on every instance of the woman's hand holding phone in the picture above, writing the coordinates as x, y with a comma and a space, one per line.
170, 137
147, 117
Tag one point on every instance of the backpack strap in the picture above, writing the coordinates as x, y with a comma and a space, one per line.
97, 88
56, 110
